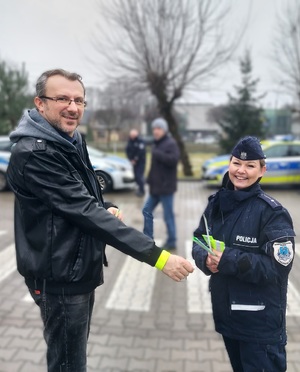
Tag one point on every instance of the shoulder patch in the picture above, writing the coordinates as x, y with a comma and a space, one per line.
39, 145
273, 203
283, 252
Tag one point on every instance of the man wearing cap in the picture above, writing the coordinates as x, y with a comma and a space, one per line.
162, 180
251, 238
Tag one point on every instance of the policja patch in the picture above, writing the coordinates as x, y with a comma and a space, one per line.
283, 252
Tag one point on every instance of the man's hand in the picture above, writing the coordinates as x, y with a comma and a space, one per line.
116, 212
177, 268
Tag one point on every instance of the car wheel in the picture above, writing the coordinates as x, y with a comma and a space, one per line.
3, 182
105, 181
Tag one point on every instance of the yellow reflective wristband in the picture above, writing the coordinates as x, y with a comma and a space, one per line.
162, 259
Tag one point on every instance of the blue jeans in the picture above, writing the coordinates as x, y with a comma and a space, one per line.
66, 329
167, 203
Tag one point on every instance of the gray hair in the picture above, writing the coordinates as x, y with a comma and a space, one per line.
42, 80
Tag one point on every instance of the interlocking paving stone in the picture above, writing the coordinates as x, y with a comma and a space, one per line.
162, 354
93, 362
169, 366
28, 366
7, 354
36, 356
108, 363
11, 366
139, 365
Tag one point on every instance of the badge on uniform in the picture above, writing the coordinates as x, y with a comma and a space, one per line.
283, 252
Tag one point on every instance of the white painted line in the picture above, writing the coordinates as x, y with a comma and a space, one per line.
293, 301
297, 249
199, 298
27, 298
133, 287
8, 262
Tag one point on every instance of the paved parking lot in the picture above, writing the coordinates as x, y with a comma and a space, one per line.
142, 320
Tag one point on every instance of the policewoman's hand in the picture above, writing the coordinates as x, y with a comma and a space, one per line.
212, 261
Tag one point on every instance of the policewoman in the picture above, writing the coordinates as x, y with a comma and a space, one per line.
251, 241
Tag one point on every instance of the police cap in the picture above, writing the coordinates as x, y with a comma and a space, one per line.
248, 148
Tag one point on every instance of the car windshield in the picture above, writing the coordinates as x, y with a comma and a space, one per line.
95, 153
5, 145
277, 151
282, 150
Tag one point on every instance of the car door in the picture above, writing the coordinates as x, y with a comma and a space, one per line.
283, 164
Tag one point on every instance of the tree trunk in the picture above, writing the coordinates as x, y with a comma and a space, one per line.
173, 127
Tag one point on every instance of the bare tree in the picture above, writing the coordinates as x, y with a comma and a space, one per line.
115, 109
286, 49
165, 46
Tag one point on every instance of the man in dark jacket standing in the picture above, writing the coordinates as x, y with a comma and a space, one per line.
136, 153
162, 180
62, 222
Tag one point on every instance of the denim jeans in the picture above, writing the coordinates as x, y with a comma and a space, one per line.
167, 203
66, 329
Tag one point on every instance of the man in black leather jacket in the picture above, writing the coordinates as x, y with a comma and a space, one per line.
62, 222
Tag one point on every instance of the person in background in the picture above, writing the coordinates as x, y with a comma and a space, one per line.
252, 240
162, 180
62, 222
136, 153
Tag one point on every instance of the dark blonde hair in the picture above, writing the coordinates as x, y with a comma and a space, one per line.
262, 162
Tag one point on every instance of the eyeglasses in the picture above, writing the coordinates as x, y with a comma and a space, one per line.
66, 100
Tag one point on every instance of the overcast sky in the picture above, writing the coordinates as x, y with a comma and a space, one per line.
46, 34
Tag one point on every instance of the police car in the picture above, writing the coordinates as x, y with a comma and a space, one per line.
113, 172
5, 147
282, 160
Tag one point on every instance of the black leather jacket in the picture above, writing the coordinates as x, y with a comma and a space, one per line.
61, 224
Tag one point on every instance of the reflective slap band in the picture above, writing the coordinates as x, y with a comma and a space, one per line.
162, 259
219, 245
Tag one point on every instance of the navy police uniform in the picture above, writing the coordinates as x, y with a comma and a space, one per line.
136, 151
249, 291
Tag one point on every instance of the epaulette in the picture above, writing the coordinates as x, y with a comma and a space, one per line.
39, 145
273, 203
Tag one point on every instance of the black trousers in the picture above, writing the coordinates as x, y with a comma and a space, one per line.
255, 357
139, 170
